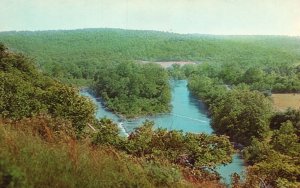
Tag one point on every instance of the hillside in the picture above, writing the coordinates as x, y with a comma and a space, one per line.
45, 141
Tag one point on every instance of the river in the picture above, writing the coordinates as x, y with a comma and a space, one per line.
188, 114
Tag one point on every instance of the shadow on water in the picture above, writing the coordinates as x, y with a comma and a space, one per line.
203, 109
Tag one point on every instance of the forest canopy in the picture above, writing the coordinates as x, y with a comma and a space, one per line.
134, 89
75, 56
26, 92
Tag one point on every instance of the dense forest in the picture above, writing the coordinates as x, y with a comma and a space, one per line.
270, 139
77, 54
46, 141
265, 63
233, 75
133, 89
243, 111
26, 92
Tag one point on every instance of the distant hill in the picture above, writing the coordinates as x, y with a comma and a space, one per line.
76, 54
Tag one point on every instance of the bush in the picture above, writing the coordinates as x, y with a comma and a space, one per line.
27, 159
10, 175
26, 92
108, 134
163, 176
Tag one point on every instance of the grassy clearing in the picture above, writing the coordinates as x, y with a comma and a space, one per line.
286, 100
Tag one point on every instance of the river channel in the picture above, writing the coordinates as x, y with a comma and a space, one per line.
188, 114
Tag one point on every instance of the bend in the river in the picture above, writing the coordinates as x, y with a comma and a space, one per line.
188, 114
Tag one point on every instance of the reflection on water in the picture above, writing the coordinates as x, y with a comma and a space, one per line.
188, 114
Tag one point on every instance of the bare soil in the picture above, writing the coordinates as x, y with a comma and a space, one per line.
166, 64
286, 100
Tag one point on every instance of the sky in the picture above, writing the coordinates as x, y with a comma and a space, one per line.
221, 17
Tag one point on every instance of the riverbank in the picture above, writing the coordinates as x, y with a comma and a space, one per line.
188, 114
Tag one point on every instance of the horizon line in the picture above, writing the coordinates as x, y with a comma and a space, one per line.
162, 31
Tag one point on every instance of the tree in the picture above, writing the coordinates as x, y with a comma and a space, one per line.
291, 115
285, 140
64, 101
190, 150
273, 171
26, 92
108, 133
139, 141
252, 75
242, 114
2, 50
133, 89
257, 151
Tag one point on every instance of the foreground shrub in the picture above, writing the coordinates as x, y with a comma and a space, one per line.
28, 158
26, 92
189, 150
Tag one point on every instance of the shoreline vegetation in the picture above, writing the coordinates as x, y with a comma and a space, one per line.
254, 67
52, 132
133, 89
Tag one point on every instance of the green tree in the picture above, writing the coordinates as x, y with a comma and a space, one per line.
108, 133
242, 114
252, 75
257, 151
26, 92
190, 150
133, 89
285, 140
139, 141
291, 115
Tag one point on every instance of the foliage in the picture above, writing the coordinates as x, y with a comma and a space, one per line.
273, 171
78, 54
64, 101
286, 141
207, 89
28, 158
175, 72
108, 133
275, 162
26, 92
10, 176
257, 151
242, 114
189, 150
134, 89
162, 175
291, 115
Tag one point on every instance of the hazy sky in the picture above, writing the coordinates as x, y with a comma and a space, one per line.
273, 17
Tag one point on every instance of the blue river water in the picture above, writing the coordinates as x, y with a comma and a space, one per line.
188, 114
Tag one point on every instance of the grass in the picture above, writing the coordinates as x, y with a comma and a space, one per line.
286, 100
41, 162
38, 152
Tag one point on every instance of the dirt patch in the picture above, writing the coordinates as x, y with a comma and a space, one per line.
284, 101
166, 64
